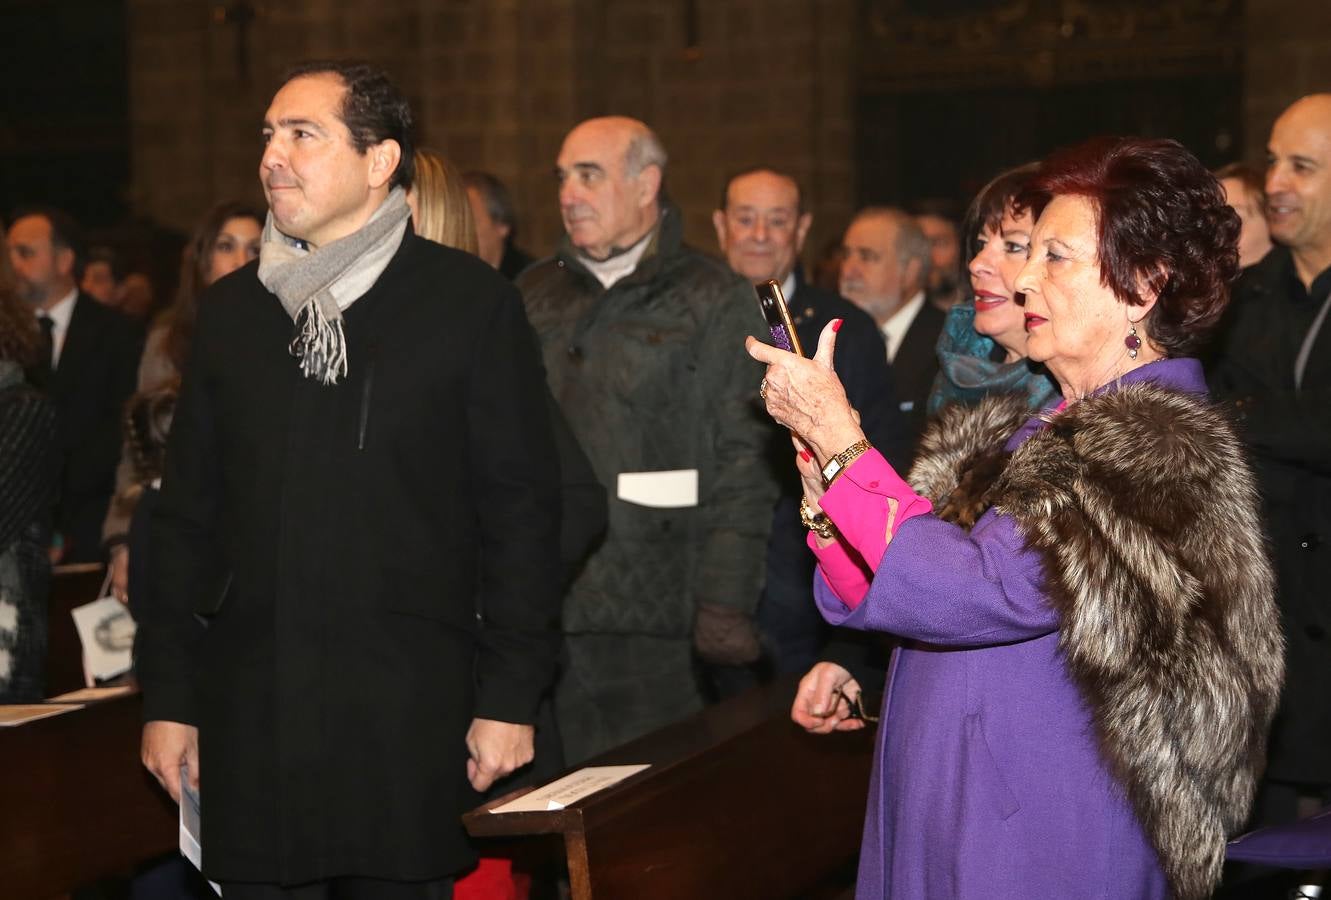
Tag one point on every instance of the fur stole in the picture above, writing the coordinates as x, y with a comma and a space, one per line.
1144, 508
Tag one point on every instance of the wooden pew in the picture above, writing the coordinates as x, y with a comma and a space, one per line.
739, 803
78, 805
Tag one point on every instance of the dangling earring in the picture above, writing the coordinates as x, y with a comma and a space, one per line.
1133, 342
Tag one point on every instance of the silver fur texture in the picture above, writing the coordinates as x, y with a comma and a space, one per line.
1144, 507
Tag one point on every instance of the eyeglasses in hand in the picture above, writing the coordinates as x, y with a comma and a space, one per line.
855, 705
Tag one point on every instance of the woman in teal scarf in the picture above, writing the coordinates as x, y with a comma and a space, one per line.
982, 348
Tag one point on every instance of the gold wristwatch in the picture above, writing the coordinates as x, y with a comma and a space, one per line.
820, 524
837, 464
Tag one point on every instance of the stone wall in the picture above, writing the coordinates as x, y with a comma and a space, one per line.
1288, 55
497, 83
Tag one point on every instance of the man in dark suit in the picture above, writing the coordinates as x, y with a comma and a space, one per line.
1274, 365
884, 270
89, 365
496, 224
761, 226
938, 220
380, 498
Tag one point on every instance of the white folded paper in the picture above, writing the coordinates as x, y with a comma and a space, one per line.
570, 789
106, 630
667, 489
191, 825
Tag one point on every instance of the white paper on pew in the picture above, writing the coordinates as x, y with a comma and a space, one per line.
191, 817
667, 489
570, 789
106, 631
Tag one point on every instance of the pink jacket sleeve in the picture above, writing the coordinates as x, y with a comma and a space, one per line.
868, 503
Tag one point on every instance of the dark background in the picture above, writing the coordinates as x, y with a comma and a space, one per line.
64, 119
64, 133
964, 137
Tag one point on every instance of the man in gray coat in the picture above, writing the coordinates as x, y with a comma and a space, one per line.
643, 345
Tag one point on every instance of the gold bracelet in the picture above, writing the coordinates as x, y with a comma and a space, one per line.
837, 464
820, 524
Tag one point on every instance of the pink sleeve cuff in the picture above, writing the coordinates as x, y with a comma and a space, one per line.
868, 503
842, 568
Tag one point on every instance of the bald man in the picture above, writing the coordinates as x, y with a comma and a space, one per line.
643, 342
1275, 363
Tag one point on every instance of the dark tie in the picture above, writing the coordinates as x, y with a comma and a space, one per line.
41, 373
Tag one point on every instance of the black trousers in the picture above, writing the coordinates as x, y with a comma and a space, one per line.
342, 889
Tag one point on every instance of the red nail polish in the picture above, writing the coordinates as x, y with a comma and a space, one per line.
806, 455
836, 326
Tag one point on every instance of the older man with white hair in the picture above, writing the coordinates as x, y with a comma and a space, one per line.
885, 271
640, 335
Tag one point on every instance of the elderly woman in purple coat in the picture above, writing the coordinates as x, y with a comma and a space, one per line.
1091, 653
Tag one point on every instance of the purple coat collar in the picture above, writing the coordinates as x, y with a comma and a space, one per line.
1183, 375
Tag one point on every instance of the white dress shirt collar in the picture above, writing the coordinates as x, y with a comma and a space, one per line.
610, 270
59, 313
895, 328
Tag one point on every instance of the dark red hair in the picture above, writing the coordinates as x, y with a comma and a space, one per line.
994, 199
1161, 219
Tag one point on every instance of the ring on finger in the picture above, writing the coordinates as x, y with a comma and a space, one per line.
762, 390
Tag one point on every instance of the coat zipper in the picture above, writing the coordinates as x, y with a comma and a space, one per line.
366, 388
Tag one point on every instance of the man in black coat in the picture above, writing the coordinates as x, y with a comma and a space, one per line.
1274, 364
361, 499
761, 226
884, 270
89, 368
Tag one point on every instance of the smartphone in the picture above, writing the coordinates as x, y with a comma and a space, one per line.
773, 305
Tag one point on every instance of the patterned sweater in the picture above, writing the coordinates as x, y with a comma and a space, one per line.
28, 479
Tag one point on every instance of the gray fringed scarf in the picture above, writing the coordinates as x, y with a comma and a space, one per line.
316, 285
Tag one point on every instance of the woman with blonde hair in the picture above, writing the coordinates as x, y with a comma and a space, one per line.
440, 211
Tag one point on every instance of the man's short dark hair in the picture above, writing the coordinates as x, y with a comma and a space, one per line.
66, 233
498, 201
101, 253
754, 170
373, 109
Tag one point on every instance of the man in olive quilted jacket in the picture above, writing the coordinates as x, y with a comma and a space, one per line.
643, 342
